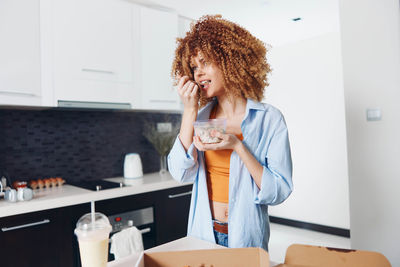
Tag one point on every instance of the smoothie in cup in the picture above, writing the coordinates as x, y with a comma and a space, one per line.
93, 239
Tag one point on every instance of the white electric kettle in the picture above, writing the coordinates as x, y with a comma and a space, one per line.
133, 166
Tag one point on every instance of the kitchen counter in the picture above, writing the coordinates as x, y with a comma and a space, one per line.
68, 195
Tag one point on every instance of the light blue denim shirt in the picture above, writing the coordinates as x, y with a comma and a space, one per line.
266, 137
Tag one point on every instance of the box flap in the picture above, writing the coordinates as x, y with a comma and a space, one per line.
140, 261
233, 257
263, 257
290, 265
316, 256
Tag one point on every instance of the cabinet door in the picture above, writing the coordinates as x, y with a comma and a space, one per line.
19, 52
172, 213
93, 50
158, 33
35, 239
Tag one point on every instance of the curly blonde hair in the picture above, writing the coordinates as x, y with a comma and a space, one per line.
235, 51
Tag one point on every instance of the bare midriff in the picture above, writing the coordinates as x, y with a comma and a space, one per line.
219, 210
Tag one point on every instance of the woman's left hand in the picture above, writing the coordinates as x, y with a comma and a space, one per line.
228, 141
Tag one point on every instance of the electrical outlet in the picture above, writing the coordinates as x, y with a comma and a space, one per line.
164, 127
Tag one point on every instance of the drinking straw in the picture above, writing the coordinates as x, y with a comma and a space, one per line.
92, 212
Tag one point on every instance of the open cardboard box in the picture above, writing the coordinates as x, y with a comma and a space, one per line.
233, 257
193, 252
296, 256
317, 256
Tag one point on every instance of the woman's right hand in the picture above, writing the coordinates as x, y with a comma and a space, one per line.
187, 90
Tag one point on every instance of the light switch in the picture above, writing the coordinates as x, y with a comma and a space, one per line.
374, 114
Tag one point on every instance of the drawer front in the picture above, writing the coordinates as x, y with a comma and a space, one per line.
39, 238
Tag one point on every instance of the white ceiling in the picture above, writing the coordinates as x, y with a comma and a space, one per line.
269, 20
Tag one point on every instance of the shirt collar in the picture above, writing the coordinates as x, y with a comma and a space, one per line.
251, 104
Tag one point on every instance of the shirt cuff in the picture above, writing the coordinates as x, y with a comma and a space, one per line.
267, 192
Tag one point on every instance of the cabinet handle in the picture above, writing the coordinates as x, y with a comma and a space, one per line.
5, 229
145, 230
96, 70
142, 231
180, 195
17, 93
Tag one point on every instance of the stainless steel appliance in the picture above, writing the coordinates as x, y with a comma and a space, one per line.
143, 219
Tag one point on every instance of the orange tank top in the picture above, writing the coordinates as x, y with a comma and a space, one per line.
218, 163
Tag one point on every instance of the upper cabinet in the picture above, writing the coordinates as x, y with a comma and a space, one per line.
158, 33
93, 51
20, 63
100, 53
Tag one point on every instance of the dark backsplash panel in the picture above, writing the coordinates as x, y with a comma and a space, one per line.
74, 144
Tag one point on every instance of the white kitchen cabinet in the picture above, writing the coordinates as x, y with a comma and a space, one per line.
98, 51
158, 33
93, 50
20, 82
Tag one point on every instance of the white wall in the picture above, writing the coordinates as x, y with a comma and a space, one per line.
370, 45
307, 86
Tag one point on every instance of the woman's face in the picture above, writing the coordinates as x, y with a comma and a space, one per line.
208, 75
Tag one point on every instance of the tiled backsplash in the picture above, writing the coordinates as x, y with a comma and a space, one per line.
74, 144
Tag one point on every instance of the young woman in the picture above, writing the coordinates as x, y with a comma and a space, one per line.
221, 68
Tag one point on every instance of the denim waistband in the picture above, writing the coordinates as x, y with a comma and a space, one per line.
221, 227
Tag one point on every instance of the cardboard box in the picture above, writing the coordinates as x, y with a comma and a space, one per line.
233, 257
193, 252
317, 256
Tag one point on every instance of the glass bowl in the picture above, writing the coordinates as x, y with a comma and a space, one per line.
204, 128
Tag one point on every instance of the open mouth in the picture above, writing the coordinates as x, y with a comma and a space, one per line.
205, 84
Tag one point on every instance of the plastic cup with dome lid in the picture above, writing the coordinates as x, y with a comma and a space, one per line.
93, 230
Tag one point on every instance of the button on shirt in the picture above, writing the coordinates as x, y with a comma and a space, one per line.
266, 137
